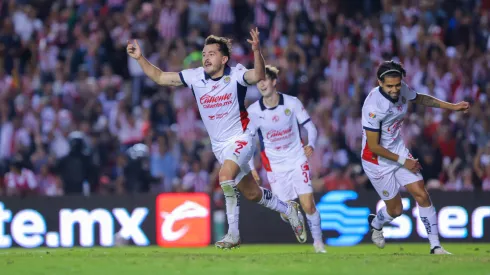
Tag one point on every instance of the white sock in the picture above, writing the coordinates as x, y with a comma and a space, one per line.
429, 219
314, 224
382, 218
232, 199
271, 201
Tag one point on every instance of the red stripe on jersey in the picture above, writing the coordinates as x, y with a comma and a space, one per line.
241, 92
369, 156
265, 162
244, 119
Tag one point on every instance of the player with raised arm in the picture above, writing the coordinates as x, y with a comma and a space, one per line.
276, 118
386, 160
220, 94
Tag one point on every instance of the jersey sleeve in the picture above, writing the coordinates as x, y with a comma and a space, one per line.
372, 118
312, 134
301, 114
253, 125
240, 71
408, 91
187, 76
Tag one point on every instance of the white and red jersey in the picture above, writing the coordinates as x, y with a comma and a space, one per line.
221, 102
381, 113
278, 129
23, 182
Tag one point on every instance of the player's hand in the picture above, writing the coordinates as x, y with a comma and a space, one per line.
413, 165
462, 106
134, 49
256, 176
308, 151
255, 42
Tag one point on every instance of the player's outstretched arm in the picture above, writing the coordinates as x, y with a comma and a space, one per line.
258, 72
154, 73
431, 101
373, 143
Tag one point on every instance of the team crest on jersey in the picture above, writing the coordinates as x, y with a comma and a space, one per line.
372, 115
287, 112
386, 193
404, 100
227, 79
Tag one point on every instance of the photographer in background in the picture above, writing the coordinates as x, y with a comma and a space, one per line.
75, 168
138, 178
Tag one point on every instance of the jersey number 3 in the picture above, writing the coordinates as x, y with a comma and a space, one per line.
305, 174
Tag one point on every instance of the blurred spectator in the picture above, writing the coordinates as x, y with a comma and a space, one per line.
197, 179
49, 183
338, 179
20, 181
163, 164
481, 165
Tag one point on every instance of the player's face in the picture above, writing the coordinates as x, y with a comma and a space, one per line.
212, 59
267, 86
391, 86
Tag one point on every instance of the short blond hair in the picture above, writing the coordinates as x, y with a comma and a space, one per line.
271, 71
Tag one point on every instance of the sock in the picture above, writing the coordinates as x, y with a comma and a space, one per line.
314, 224
271, 201
382, 218
429, 219
232, 200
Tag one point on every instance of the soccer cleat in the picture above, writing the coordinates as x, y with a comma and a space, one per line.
297, 222
377, 234
439, 251
228, 242
284, 217
319, 247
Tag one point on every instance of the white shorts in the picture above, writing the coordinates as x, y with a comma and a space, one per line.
289, 185
240, 150
387, 185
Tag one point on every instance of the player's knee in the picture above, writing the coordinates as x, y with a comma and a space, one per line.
253, 194
224, 175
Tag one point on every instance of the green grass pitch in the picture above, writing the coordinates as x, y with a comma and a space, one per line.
365, 259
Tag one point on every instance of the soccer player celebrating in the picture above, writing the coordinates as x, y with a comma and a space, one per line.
386, 160
220, 94
276, 119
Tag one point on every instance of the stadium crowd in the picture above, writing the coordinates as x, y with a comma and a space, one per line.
65, 77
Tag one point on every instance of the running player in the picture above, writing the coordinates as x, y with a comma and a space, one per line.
276, 118
220, 93
386, 160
